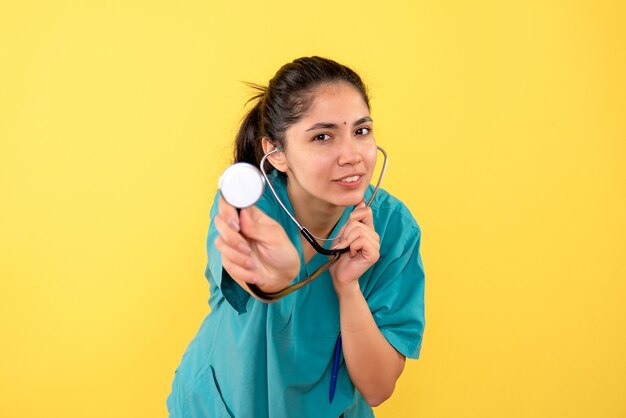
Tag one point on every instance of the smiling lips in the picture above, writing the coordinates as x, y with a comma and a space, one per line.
350, 181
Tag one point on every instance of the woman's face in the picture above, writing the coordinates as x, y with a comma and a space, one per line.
330, 152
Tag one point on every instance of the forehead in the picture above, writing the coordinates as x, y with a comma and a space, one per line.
331, 102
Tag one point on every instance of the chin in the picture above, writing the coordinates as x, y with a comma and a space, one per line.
347, 201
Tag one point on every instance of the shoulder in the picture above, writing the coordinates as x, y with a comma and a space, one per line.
393, 220
390, 209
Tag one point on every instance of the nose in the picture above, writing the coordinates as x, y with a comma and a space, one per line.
349, 153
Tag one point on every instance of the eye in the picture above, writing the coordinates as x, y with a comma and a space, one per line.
322, 137
362, 131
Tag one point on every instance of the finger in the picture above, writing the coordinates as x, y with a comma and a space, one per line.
258, 226
365, 247
229, 213
229, 235
363, 214
354, 228
358, 231
235, 255
346, 233
338, 240
239, 274
351, 237
353, 244
356, 246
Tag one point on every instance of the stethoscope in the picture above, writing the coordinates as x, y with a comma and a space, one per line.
242, 185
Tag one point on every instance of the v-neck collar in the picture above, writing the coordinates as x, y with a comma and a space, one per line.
294, 232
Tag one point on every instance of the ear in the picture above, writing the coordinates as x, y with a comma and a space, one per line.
277, 159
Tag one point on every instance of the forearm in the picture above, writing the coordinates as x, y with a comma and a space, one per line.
373, 364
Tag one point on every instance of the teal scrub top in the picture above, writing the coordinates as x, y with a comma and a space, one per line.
252, 359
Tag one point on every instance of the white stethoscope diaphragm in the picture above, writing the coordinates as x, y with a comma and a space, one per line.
241, 185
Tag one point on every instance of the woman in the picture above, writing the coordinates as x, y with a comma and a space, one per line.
253, 359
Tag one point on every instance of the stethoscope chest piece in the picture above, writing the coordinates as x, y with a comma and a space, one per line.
241, 185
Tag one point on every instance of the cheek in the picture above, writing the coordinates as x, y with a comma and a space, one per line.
309, 166
317, 162
370, 156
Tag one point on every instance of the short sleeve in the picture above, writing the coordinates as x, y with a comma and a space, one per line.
395, 291
219, 280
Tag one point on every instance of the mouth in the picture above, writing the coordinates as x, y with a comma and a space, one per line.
352, 180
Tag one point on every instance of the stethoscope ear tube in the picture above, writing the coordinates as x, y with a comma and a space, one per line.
311, 239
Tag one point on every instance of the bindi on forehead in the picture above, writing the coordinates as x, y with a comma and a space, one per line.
345, 123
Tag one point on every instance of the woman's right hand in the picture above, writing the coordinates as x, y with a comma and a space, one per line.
255, 248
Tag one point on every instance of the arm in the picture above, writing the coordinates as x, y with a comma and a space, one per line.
373, 364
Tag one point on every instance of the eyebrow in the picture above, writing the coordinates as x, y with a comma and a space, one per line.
329, 125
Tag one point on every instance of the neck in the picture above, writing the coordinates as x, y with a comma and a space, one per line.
318, 217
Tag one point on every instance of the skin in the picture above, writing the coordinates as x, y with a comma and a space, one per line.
332, 141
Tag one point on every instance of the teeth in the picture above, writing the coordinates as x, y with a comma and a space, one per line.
350, 179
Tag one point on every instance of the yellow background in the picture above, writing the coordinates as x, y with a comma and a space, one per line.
505, 126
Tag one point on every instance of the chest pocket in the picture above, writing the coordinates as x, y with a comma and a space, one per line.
206, 399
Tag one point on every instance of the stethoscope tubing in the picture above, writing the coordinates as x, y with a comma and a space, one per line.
270, 297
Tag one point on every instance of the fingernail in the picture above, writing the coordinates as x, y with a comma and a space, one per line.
234, 224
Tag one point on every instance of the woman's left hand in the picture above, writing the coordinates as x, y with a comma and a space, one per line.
358, 234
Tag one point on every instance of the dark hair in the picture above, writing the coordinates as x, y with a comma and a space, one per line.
286, 98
